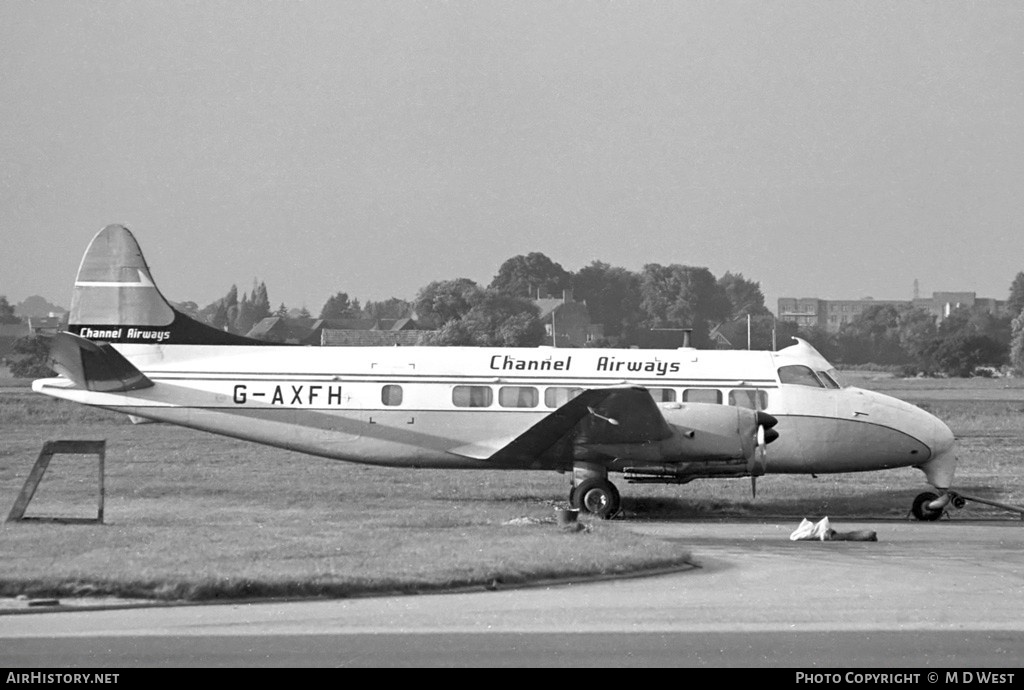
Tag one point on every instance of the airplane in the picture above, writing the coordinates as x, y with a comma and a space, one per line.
654, 416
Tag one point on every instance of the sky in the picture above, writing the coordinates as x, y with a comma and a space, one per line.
822, 149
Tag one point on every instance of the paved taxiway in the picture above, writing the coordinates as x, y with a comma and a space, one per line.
945, 594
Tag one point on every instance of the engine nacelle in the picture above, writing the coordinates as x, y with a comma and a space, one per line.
701, 432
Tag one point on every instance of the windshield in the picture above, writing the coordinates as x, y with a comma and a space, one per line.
800, 375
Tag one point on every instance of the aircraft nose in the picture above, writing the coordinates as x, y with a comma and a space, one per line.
941, 465
940, 439
916, 422
928, 430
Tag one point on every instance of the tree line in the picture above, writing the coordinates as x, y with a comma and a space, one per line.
629, 303
459, 311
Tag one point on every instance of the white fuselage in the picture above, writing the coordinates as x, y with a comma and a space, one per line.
454, 406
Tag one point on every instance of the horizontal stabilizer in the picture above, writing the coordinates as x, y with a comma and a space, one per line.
94, 366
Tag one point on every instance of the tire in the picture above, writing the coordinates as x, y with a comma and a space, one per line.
920, 507
598, 497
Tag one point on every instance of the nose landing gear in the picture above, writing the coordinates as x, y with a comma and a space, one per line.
929, 506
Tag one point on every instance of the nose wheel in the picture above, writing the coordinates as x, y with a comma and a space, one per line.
929, 506
924, 508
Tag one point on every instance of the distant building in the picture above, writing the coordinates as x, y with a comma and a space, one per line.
718, 339
278, 329
47, 325
567, 322
942, 304
335, 332
365, 332
831, 315
330, 337
662, 338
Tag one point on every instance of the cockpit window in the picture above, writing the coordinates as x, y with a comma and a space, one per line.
799, 375
827, 379
836, 378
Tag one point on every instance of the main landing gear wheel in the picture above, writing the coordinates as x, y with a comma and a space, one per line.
921, 510
596, 496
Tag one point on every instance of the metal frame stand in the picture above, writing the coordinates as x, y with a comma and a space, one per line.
51, 448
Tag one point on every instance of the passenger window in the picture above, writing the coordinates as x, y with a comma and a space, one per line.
518, 396
751, 399
799, 375
391, 395
662, 394
556, 396
703, 395
472, 396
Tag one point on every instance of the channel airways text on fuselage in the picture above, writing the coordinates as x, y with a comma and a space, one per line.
604, 364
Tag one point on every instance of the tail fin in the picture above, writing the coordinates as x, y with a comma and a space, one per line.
116, 300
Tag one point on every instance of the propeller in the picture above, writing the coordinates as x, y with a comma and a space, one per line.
765, 435
765, 423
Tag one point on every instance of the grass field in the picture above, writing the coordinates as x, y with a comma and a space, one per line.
196, 516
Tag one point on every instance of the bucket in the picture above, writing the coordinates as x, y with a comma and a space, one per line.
567, 516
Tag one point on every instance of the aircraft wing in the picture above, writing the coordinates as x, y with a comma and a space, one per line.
595, 416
